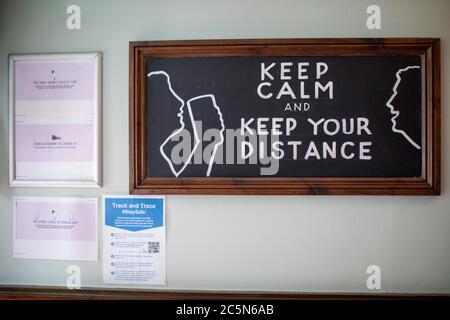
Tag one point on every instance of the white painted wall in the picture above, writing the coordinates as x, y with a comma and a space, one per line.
298, 243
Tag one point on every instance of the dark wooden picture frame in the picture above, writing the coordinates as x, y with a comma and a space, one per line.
427, 184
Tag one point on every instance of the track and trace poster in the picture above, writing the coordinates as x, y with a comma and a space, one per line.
134, 240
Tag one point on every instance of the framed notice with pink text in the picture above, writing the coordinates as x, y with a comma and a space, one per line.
55, 120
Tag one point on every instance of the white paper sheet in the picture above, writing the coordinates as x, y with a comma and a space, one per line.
134, 240
56, 228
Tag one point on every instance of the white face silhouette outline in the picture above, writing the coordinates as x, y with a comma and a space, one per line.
182, 126
396, 113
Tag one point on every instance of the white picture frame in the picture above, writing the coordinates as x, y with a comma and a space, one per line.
62, 91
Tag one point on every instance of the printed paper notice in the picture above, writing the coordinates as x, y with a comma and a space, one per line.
55, 120
55, 228
134, 240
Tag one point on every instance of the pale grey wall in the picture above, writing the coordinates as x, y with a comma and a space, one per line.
301, 243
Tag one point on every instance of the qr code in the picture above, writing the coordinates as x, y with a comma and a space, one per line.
153, 247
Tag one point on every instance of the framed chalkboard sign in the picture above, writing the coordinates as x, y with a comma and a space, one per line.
286, 116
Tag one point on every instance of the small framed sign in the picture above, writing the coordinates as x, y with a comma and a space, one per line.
287, 116
55, 120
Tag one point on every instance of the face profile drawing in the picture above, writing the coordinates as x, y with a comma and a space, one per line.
201, 105
178, 105
394, 105
187, 120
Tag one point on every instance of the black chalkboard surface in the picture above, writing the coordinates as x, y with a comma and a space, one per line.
353, 110
273, 112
